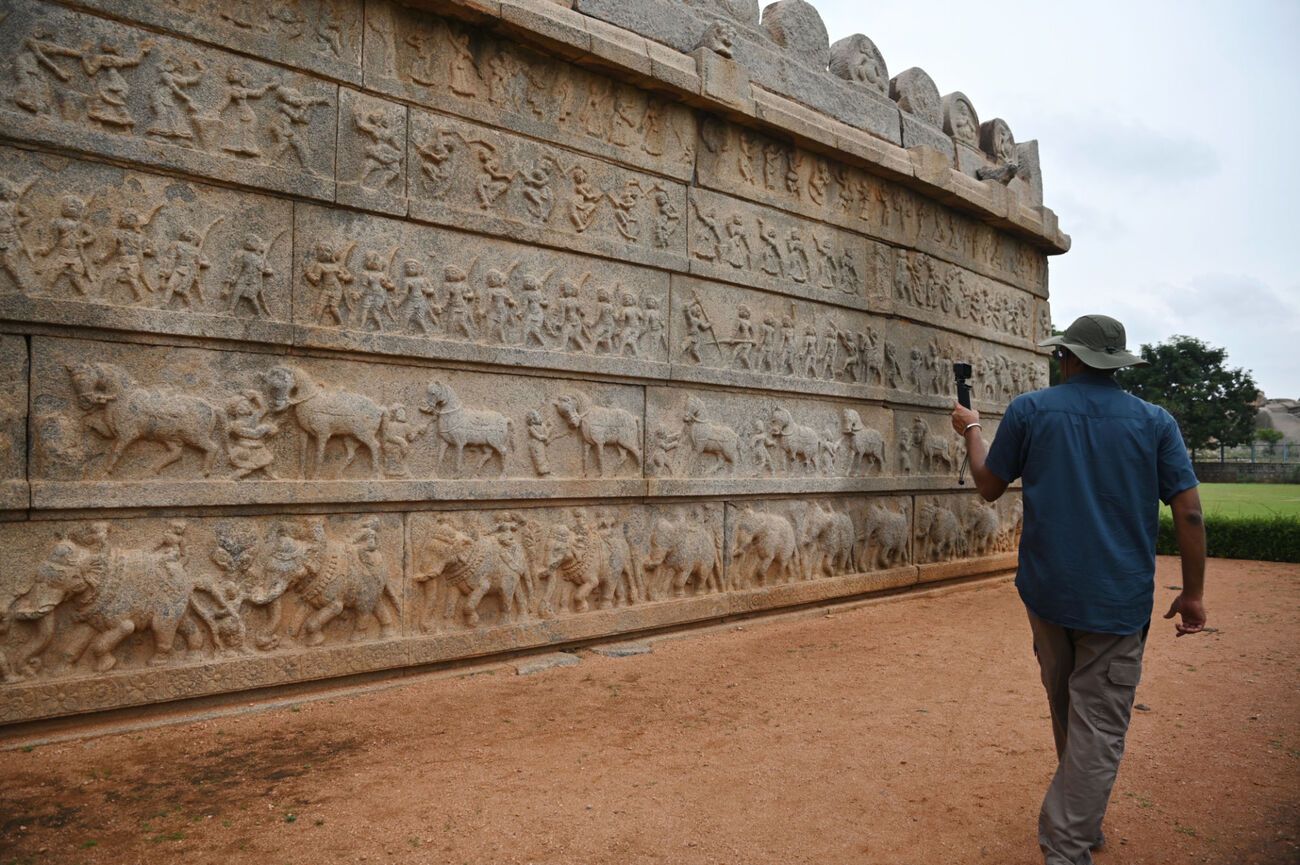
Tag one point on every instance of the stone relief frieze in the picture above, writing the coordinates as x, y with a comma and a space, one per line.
149, 252
89, 84
951, 527
86, 598
737, 242
371, 160
13, 423
455, 67
741, 162
934, 290
217, 427
474, 177
383, 285
918, 363
318, 35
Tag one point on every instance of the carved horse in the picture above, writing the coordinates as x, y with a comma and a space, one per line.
325, 413
128, 413
460, 427
800, 444
935, 449
865, 444
600, 427
707, 438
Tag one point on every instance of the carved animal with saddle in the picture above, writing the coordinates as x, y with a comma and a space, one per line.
323, 414
709, 439
472, 568
459, 427
801, 444
601, 427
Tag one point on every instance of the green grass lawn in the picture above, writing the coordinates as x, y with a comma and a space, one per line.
1250, 500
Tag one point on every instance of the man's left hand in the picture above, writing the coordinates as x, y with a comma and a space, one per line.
1191, 612
962, 417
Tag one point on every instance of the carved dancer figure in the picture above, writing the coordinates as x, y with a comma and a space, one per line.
383, 155
848, 270
175, 114
502, 70
666, 216
329, 274
250, 434
808, 352
772, 153
33, 90
595, 110
247, 280
585, 201
12, 217
539, 198
329, 32
182, 265
242, 134
625, 218
376, 288
292, 109
420, 296
494, 180
128, 249
109, 103
767, 344
436, 155
71, 237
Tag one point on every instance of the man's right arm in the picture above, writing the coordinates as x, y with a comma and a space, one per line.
1189, 528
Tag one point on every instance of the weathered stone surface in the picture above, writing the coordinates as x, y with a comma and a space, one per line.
86, 84
437, 293
338, 337
467, 71
472, 177
623, 650
550, 661
100, 246
321, 36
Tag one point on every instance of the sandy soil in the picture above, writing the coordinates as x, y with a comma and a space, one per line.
903, 732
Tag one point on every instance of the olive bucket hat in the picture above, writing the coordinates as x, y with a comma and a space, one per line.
1098, 341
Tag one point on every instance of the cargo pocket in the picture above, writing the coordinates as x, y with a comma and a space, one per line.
1110, 709
1124, 673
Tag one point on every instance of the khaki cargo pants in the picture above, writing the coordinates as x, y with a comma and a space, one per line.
1090, 681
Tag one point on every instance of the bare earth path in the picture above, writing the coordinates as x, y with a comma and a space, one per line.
904, 732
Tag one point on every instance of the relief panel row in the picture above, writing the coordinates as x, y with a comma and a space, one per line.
104, 613
89, 84
115, 424
738, 161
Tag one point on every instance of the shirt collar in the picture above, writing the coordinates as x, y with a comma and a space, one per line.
1098, 379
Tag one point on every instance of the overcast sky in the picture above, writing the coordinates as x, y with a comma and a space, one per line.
1168, 135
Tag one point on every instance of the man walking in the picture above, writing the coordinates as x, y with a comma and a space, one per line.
1094, 460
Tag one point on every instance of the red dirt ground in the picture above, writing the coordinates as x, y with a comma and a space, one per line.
911, 731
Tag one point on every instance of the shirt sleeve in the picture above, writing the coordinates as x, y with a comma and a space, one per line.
1006, 457
1174, 466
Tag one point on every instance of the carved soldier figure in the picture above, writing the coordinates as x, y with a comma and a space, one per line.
242, 135
419, 292
808, 351
742, 342
625, 219
501, 306
329, 274
383, 155
71, 237
375, 291
655, 332
182, 266
893, 371
494, 180
663, 442
533, 317
767, 344
830, 350
697, 324
737, 250
572, 327
666, 216
129, 247
247, 282
32, 90
830, 267
601, 328
540, 434
174, 111
250, 433
785, 355
291, 111
460, 307
773, 263
109, 105
631, 322
586, 198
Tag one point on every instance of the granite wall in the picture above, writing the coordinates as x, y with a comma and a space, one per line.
338, 337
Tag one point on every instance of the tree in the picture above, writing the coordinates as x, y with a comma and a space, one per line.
1270, 438
1214, 405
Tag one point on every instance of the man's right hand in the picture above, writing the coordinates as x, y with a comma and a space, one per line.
1192, 611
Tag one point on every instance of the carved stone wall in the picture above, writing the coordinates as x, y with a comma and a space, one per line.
338, 337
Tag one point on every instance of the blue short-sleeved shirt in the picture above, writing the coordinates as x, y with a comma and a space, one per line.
1094, 460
